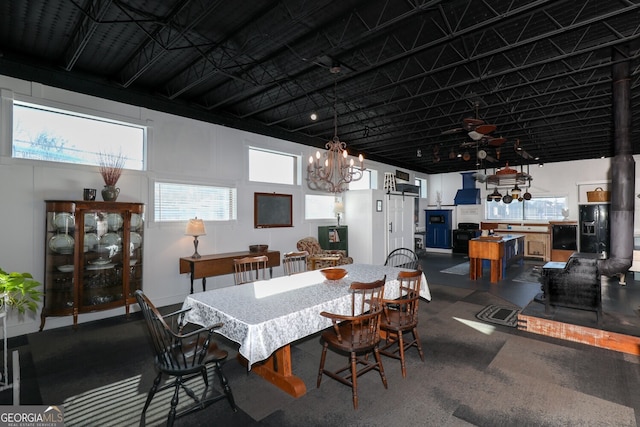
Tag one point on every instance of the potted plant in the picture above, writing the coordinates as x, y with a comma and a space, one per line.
19, 291
111, 166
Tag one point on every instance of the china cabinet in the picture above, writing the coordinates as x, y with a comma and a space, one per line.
93, 256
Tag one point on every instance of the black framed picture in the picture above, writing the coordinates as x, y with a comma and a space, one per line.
272, 210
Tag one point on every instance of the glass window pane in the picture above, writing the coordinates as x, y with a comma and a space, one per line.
179, 202
270, 166
362, 184
319, 207
544, 208
43, 133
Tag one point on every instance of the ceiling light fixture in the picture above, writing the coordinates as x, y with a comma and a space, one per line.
334, 174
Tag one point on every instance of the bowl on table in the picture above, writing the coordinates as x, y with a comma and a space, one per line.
333, 273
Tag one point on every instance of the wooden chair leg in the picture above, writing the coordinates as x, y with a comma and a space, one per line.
403, 368
322, 359
354, 379
376, 354
416, 337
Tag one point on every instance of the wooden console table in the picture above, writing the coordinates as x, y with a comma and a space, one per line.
500, 251
221, 264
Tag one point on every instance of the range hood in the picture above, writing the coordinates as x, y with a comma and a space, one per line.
468, 194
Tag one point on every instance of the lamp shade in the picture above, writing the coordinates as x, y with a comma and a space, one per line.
338, 208
195, 227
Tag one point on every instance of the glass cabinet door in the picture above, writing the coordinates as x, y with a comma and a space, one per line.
102, 258
59, 259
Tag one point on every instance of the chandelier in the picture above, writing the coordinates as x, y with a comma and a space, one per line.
333, 170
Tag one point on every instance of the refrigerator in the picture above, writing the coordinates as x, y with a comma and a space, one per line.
594, 229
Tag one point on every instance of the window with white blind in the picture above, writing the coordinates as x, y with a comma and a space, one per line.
179, 202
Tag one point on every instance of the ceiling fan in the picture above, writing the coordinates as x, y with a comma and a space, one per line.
520, 151
476, 128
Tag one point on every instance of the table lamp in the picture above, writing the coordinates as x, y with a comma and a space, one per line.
195, 228
338, 209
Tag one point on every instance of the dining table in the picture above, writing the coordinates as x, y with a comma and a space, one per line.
265, 317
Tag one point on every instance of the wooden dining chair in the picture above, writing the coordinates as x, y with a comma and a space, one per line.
400, 316
402, 257
357, 335
250, 269
183, 356
295, 262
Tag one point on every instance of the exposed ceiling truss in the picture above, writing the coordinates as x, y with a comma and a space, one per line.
409, 70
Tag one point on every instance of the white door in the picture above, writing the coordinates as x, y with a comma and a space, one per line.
399, 222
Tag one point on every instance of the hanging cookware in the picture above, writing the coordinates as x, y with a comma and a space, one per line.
507, 199
527, 195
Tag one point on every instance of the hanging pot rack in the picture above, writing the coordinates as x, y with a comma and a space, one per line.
509, 177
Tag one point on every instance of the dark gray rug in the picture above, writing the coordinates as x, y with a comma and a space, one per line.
499, 315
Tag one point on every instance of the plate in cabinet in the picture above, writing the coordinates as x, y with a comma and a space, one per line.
135, 239
64, 221
61, 243
90, 240
89, 222
114, 221
66, 268
111, 239
136, 221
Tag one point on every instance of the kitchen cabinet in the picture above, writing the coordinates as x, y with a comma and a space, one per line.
93, 257
537, 237
439, 228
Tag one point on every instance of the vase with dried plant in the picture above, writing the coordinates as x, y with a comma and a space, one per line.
111, 168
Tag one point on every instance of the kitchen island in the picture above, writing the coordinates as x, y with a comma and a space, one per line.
499, 251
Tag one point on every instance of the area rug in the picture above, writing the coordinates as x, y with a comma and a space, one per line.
121, 403
499, 315
531, 275
460, 269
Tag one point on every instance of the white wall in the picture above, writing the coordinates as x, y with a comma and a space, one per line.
179, 149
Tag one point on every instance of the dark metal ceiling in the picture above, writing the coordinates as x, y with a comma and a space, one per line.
411, 70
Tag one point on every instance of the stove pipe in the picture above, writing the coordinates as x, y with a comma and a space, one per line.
622, 173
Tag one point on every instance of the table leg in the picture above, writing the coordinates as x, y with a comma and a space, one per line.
495, 270
475, 268
192, 274
277, 370
204, 284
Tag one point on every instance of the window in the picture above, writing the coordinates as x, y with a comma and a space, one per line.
365, 182
49, 134
179, 202
537, 209
271, 166
319, 207
422, 184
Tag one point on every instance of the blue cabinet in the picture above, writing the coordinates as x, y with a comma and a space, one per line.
439, 228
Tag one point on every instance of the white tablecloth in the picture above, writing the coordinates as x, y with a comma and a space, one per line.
266, 315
